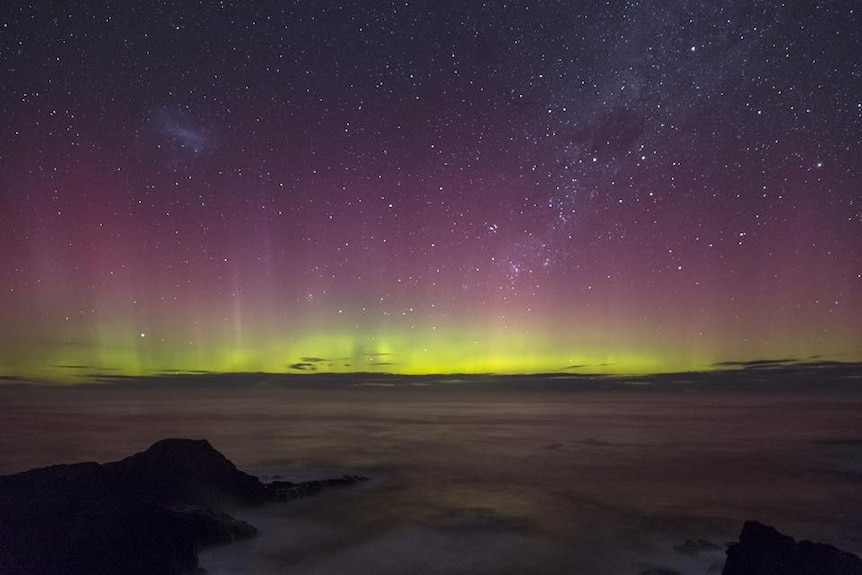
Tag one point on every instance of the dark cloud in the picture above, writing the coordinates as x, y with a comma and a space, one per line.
303, 366
612, 135
74, 366
756, 363
759, 376
11, 380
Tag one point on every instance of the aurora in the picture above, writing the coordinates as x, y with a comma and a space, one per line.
417, 200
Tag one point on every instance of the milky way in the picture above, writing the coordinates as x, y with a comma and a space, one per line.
419, 187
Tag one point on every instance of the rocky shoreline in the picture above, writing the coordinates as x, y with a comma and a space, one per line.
147, 514
150, 514
762, 550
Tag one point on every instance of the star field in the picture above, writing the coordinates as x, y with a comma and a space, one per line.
415, 187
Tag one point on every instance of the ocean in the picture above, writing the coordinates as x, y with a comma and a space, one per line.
484, 481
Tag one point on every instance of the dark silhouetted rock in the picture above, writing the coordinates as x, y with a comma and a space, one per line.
142, 515
209, 527
762, 550
286, 491
148, 514
176, 471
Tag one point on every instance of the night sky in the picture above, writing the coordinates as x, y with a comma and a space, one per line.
428, 187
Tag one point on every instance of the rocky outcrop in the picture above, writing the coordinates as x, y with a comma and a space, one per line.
187, 471
762, 550
147, 514
286, 490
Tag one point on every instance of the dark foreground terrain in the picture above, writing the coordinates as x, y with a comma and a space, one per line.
146, 514
762, 550
152, 512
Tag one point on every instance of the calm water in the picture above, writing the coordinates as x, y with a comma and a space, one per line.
486, 482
